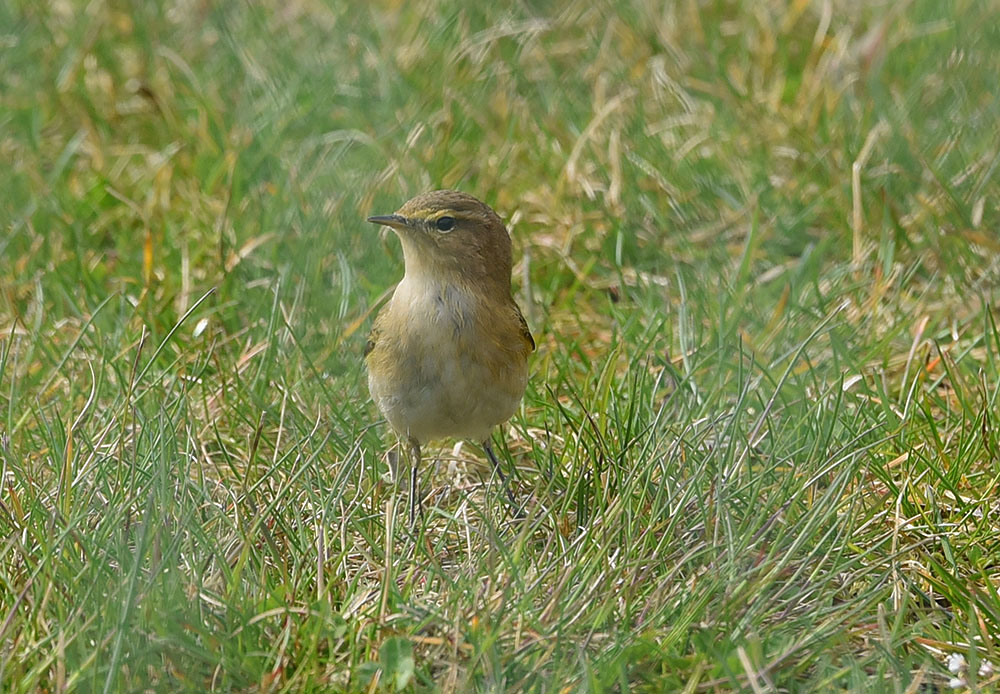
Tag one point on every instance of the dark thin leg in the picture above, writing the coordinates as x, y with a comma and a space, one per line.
488, 447
415, 501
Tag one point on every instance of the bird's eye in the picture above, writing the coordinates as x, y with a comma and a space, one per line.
445, 223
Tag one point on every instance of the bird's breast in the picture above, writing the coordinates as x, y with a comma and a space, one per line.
442, 366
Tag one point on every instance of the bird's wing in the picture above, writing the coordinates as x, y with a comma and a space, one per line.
372, 339
525, 332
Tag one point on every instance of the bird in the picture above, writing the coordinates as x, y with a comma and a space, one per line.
447, 355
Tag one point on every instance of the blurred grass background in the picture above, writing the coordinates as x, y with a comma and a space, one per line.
758, 250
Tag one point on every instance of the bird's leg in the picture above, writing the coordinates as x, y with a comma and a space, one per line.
415, 501
488, 447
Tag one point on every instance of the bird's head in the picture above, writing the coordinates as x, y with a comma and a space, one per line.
452, 236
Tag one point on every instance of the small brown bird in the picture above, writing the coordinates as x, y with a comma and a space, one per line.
448, 354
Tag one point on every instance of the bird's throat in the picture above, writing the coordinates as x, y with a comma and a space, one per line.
434, 301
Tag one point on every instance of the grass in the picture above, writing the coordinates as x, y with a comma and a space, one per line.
758, 250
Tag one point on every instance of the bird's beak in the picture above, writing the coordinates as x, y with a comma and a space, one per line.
390, 220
